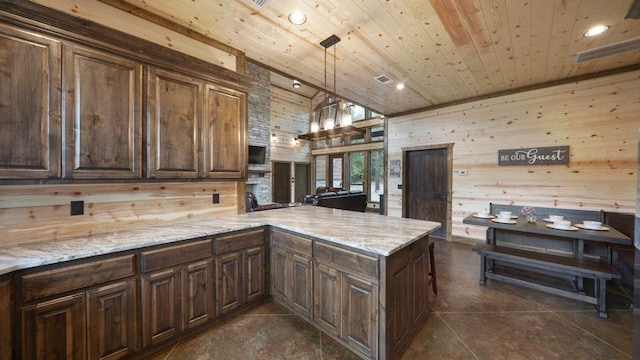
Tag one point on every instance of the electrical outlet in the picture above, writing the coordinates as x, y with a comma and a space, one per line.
77, 208
399, 186
216, 198
463, 172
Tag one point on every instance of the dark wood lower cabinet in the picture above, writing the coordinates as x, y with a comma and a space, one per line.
374, 305
6, 320
55, 329
161, 299
111, 324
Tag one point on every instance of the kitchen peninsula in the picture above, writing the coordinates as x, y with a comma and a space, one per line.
359, 277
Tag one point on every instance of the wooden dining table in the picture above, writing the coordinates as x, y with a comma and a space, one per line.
539, 229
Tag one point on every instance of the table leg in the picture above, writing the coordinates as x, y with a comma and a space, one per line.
491, 240
578, 253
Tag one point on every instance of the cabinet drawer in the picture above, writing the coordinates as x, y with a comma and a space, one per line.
291, 242
359, 263
175, 255
235, 242
68, 278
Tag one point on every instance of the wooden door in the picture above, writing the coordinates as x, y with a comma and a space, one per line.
103, 122
281, 180
359, 311
302, 173
254, 274
111, 325
161, 299
31, 105
197, 293
55, 329
229, 285
326, 292
301, 285
173, 124
426, 187
6, 312
225, 129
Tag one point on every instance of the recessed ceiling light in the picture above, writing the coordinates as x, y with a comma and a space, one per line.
297, 18
400, 86
596, 30
296, 84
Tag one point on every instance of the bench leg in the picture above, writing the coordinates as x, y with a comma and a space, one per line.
483, 269
601, 295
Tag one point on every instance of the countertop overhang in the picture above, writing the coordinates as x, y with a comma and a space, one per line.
378, 234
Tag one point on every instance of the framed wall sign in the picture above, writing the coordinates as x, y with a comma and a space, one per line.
552, 155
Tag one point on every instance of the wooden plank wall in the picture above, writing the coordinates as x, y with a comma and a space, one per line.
31, 213
289, 118
597, 118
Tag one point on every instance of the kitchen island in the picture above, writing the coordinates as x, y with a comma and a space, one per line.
359, 277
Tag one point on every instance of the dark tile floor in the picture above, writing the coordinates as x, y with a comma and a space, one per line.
467, 321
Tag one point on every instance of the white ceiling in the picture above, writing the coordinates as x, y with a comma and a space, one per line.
444, 50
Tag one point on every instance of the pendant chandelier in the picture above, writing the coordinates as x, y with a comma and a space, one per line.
341, 114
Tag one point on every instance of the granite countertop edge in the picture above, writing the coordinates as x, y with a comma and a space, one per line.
30, 255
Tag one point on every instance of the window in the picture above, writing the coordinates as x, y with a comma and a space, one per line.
357, 112
377, 134
321, 171
356, 171
376, 175
335, 171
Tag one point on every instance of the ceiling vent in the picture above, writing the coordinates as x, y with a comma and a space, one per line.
258, 3
383, 79
608, 50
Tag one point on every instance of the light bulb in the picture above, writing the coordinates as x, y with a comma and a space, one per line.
328, 124
346, 119
314, 126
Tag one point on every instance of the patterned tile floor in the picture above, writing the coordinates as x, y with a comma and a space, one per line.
467, 321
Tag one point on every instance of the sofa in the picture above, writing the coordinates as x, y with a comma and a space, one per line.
252, 204
354, 200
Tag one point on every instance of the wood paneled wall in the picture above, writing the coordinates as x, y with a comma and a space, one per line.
597, 118
289, 118
31, 213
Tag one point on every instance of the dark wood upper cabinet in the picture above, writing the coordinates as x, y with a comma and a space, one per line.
173, 124
102, 128
225, 123
29, 105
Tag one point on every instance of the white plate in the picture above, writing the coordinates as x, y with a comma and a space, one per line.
489, 216
553, 226
547, 220
602, 228
504, 222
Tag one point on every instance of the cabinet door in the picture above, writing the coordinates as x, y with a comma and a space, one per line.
229, 287
327, 299
197, 293
111, 324
161, 305
280, 273
6, 337
419, 268
103, 121
360, 314
55, 329
301, 285
30, 105
173, 124
225, 122
254, 274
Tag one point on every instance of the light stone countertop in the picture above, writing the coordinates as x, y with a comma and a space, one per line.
371, 232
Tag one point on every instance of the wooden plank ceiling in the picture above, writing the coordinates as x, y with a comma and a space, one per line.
444, 50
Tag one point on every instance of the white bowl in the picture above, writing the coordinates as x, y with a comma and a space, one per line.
505, 214
592, 225
562, 224
555, 218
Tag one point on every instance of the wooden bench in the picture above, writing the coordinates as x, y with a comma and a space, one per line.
560, 266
